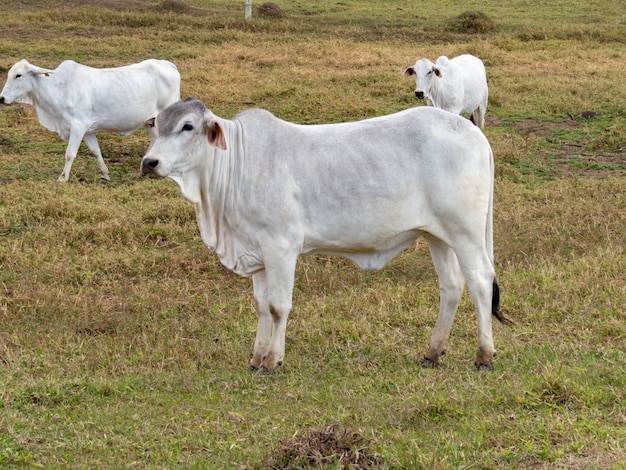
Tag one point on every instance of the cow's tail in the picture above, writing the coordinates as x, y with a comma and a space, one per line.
495, 296
495, 305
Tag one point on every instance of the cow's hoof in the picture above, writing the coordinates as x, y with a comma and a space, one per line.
483, 367
428, 363
260, 370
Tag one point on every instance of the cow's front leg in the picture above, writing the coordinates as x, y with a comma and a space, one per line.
273, 307
70, 154
451, 284
264, 327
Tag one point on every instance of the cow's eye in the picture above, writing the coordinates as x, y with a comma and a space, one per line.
187, 127
19, 75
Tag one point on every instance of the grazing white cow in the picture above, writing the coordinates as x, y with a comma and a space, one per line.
76, 101
458, 85
267, 191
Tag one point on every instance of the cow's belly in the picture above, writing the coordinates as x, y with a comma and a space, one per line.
368, 254
124, 126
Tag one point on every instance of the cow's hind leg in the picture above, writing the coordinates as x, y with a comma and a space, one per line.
92, 143
480, 112
451, 284
480, 275
478, 117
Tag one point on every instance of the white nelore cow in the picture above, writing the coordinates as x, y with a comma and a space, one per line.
76, 101
267, 191
458, 85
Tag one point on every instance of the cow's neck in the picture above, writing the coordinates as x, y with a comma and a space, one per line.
205, 187
218, 193
45, 91
195, 186
47, 110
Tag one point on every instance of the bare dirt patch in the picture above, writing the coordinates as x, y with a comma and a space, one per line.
543, 128
173, 6
111, 4
176, 6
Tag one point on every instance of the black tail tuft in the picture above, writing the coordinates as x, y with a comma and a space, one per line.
495, 305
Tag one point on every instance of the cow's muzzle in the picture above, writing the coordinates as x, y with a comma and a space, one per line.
420, 95
149, 167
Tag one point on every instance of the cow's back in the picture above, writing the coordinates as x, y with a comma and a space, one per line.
472, 71
155, 82
468, 61
419, 138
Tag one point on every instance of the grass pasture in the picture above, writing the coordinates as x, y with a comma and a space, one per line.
124, 343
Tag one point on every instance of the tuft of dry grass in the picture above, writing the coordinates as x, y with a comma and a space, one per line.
332, 447
472, 22
270, 10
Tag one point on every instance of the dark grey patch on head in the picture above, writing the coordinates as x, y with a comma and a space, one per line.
168, 119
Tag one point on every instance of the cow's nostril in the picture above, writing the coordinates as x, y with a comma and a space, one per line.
420, 95
1, 99
149, 165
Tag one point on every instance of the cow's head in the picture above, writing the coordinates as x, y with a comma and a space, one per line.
187, 135
21, 81
425, 71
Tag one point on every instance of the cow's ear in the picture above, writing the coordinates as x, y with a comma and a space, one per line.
215, 134
409, 71
40, 71
437, 72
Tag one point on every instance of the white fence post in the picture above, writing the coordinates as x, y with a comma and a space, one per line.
248, 10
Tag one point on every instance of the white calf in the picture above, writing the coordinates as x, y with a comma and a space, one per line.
458, 85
